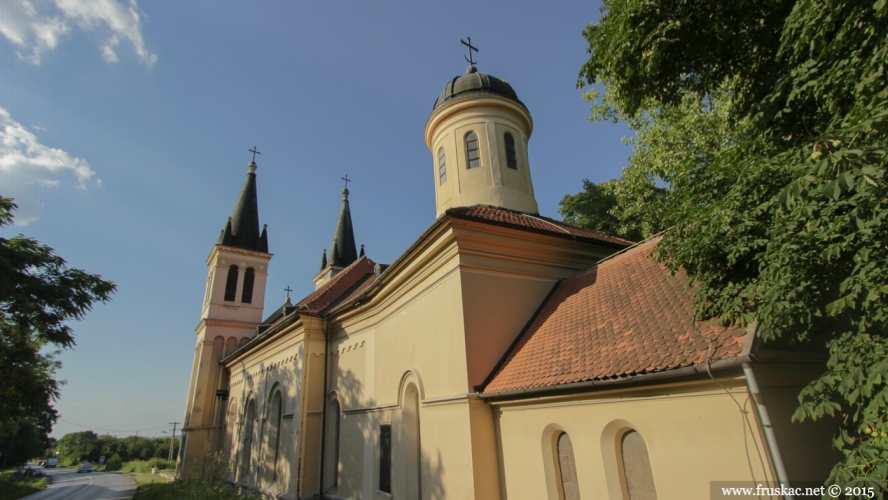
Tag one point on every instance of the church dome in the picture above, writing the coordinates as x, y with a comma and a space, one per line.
475, 83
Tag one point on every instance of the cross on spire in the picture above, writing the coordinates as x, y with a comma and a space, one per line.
470, 49
254, 153
347, 180
288, 290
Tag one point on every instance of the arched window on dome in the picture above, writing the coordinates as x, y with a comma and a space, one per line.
473, 154
231, 284
442, 167
249, 279
511, 156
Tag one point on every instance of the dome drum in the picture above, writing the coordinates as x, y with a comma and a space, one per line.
478, 134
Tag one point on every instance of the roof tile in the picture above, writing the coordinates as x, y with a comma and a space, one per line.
535, 222
625, 316
348, 283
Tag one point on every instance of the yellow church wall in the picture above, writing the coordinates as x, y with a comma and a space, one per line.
496, 307
214, 340
441, 320
277, 365
693, 431
410, 336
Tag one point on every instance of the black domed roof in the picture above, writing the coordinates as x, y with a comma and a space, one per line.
475, 83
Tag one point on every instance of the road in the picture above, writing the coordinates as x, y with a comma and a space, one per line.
67, 484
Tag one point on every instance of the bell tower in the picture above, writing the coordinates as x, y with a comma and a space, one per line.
232, 310
478, 133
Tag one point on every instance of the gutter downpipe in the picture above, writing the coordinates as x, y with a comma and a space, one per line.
770, 437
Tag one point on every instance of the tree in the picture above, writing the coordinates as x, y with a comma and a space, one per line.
38, 296
783, 218
669, 142
85, 446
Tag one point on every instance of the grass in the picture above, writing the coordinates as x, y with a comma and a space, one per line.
194, 490
147, 478
11, 489
145, 466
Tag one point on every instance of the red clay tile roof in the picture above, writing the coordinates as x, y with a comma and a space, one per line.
537, 223
357, 276
623, 317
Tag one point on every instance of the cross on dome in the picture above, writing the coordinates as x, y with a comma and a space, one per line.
470, 49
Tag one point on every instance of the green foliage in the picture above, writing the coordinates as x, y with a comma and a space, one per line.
778, 207
213, 484
23, 438
195, 490
591, 208
670, 143
145, 466
83, 446
113, 463
38, 296
13, 489
78, 447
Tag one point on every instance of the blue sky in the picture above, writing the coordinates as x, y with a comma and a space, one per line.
124, 131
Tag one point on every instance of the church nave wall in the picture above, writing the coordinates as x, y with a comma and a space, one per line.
677, 425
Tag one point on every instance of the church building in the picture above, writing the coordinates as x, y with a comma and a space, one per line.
503, 355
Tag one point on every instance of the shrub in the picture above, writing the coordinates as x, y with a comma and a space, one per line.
17, 488
145, 466
113, 463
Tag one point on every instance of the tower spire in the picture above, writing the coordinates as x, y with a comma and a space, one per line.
344, 250
242, 229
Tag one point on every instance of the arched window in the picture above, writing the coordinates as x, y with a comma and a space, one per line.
511, 156
249, 278
637, 467
334, 415
231, 284
228, 445
567, 470
274, 435
442, 167
385, 458
247, 442
473, 154
412, 444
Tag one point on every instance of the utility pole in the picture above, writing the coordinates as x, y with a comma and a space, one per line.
173, 441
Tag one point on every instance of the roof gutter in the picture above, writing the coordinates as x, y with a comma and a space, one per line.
633, 379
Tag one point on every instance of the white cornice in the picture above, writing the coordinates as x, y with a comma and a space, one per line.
219, 248
225, 323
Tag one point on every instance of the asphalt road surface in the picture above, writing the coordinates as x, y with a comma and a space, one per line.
67, 484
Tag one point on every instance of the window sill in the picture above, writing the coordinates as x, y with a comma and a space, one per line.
382, 494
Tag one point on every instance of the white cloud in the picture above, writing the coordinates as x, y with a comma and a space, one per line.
28, 168
37, 26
